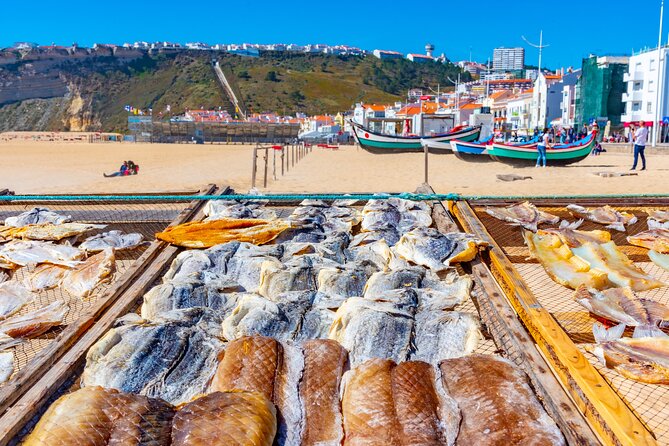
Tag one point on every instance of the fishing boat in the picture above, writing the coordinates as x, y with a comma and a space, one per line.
475, 151
558, 155
379, 143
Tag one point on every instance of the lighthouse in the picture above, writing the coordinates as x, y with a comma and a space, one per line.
429, 48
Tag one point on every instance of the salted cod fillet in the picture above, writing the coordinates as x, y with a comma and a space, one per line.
36, 322
37, 216
6, 366
290, 415
653, 239
497, 404
324, 363
368, 406
523, 214
13, 297
561, 264
604, 215
48, 231
84, 278
210, 233
225, 418
173, 359
116, 240
45, 277
250, 364
31, 252
93, 416
620, 270
661, 260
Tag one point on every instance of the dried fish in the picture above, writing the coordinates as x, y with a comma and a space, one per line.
83, 279
523, 214
45, 277
444, 334
112, 239
226, 418
429, 247
644, 359
561, 264
6, 366
653, 239
35, 323
623, 306
47, 231
604, 215
491, 416
287, 398
94, 416
661, 260
13, 297
37, 216
210, 233
657, 219
31, 252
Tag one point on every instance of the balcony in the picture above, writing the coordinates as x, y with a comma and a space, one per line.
634, 96
631, 77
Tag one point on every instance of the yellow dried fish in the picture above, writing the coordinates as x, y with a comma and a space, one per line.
209, 233
35, 323
604, 215
47, 231
655, 239
83, 279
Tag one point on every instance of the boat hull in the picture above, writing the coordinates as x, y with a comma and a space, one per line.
471, 151
527, 156
385, 144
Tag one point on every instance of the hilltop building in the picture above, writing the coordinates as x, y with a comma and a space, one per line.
508, 59
599, 92
384, 54
420, 58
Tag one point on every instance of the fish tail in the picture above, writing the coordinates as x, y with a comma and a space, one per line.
648, 331
603, 335
564, 224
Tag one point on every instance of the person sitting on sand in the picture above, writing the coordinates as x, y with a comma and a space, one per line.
123, 170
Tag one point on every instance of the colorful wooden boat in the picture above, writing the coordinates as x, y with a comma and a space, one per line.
558, 155
475, 151
379, 143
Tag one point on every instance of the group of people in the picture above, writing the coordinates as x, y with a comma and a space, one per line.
127, 168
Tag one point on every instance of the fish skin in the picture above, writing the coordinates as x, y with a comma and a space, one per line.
561, 264
383, 281
178, 295
278, 278
6, 366
324, 364
93, 416
13, 297
83, 279
654, 239
345, 281
368, 406
31, 252
37, 216
604, 215
36, 322
250, 364
188, 264
523, 214
377, 253
444, 335
210, 233
45, 277
287, 398
643, 359
226, 418
498, 406
416, 404
112, 239
658, 215
430, 248
620, 270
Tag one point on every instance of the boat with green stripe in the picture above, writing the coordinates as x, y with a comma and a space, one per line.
558, 155
379, 143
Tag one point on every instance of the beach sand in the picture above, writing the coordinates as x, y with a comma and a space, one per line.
30, 167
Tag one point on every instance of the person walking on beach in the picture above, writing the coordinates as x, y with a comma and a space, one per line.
640, 138
544, 143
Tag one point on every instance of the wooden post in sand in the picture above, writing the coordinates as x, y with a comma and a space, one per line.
274, 163
283, 151
264, 183
292, 150
426, 166
255, 167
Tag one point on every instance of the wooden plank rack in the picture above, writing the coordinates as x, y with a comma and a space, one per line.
608, 415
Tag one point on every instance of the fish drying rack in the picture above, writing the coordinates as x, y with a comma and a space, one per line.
525, 317
620, 410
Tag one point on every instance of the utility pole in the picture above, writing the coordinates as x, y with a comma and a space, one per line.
541, 46
660, 65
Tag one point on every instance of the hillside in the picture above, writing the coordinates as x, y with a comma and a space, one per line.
90, 94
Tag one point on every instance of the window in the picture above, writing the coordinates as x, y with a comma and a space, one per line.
638, 66
649, 107
651, 86
636, 106
652, 65
637, 86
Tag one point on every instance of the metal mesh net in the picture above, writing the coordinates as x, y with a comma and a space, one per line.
143, 218
650, 402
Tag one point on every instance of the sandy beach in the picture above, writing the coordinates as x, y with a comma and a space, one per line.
30, 167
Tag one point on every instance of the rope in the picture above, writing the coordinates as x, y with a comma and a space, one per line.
300, 197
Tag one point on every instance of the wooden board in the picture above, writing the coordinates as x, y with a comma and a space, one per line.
607, 414
54, 365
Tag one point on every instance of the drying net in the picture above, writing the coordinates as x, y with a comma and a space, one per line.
650, 402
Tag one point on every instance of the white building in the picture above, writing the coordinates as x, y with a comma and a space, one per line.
518, 111
642, 88
547, 97
508, 59
568, 106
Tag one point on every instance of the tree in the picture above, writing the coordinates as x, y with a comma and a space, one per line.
297, 96
244, 75
271, 76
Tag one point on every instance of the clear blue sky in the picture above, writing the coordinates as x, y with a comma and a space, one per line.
572, 28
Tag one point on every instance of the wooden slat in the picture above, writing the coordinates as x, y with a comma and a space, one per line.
43, 362
442, 219
606, 412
